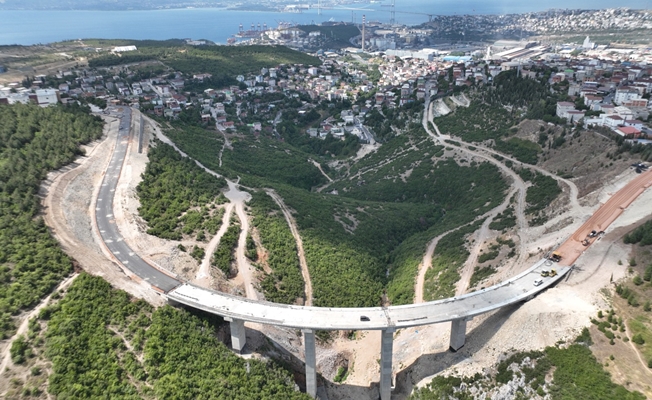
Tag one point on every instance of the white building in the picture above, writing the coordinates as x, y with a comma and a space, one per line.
122, 49
46, 97
563, 107
625, 94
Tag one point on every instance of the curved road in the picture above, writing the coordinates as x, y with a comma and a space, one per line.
108, 229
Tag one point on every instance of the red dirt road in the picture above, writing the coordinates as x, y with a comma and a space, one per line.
571, 249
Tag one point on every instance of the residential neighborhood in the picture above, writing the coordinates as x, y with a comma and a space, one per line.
605, 89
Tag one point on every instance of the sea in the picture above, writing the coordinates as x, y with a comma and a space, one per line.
28, 27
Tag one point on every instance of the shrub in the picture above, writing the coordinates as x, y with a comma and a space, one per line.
647, 275
584, 337
19, 350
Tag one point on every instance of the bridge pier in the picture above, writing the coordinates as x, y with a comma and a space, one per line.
386, 350
311, 362
238, 336
458, 333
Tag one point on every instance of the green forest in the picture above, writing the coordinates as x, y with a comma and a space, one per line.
576, 374
104, 344
256, 161
223, 62
285, 283
641, 235
224, 254
175, 195
374, 230
33, 141
449, 256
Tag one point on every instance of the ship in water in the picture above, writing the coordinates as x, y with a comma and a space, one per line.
255, 31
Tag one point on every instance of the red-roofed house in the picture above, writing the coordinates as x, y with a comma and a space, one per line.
628, 131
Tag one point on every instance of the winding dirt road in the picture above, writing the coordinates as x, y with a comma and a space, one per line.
518, 187
22, 329
238, 199
204, 272
245, 269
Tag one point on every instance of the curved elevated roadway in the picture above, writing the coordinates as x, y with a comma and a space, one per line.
237, 310
518, 288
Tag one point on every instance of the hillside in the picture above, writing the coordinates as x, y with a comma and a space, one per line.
223, 62
33, 142
407, 190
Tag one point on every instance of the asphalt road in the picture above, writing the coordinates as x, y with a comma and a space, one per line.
514, 290
106, 222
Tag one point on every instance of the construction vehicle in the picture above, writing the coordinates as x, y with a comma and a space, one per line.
585, 242
545, 273
593, 234
553, 272
555, 256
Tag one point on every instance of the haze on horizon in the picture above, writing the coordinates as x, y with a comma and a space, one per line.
444, 7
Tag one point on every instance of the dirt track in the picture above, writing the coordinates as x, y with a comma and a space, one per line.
295, 232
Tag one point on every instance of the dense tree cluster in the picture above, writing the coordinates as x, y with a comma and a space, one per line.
171, 186
477, 123
285, 283
523, 150
641, 235
541, 193
224, 254
257, 162
223, 62
358, 235
104, 344
450, 254
296, 136
269, 160
510, 88
33, 141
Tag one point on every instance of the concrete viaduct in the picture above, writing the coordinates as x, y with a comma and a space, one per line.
238, 310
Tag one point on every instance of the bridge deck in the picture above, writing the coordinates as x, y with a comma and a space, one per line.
518, 288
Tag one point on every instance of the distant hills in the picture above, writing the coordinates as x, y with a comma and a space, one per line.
107, 5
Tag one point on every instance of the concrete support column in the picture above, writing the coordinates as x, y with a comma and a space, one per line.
458, 333
311, 362
238, 337
386, 350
